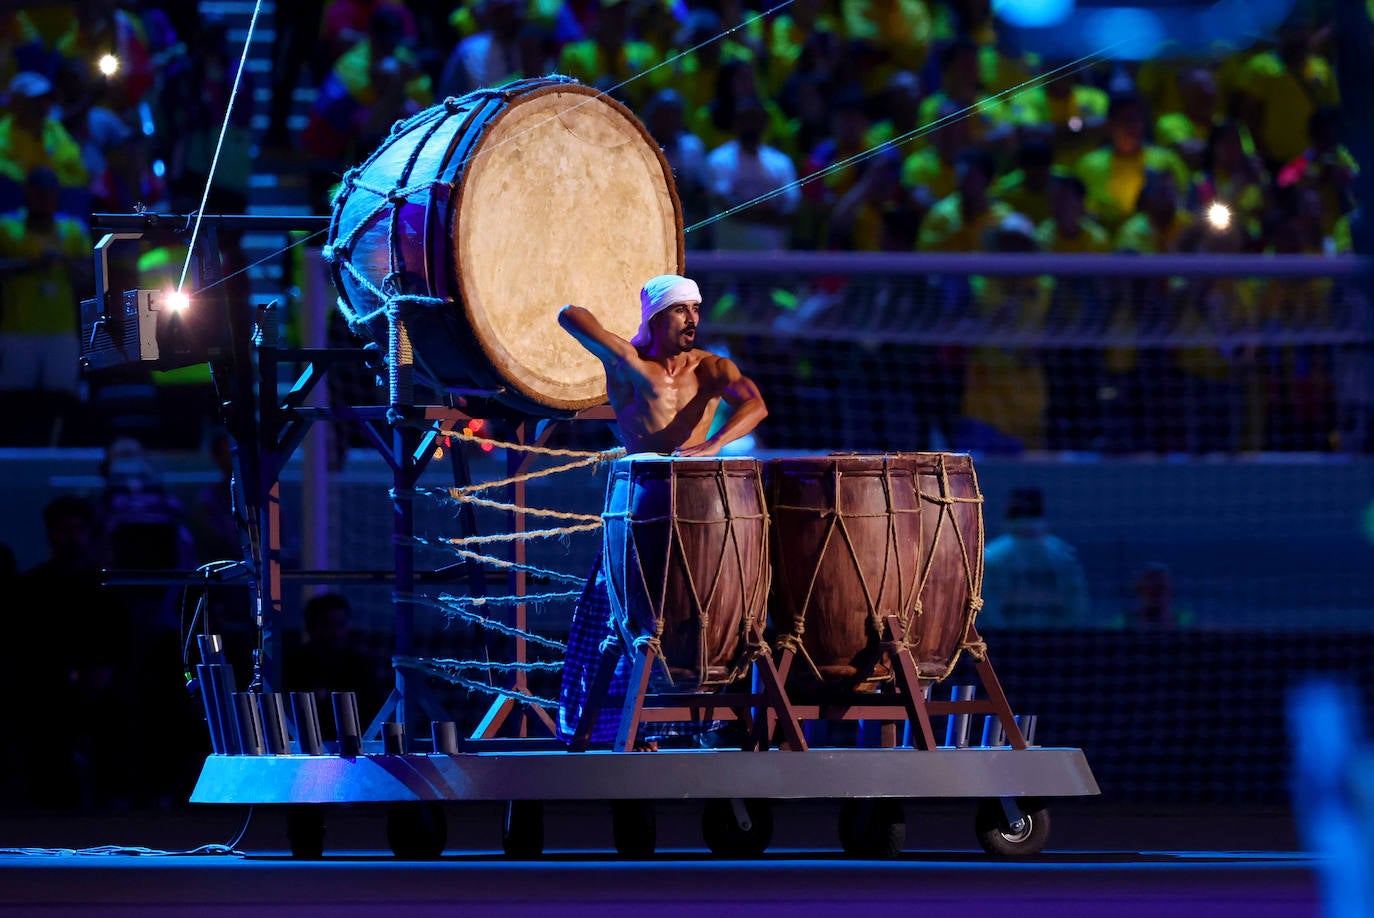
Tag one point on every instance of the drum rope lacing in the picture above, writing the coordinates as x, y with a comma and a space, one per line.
453, 674
466, 607
835, 517
946, 502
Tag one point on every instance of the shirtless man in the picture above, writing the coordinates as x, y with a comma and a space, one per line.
664, 391
665, 394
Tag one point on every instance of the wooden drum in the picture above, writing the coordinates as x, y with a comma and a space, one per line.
846, 532
686, 556
951, 576
481, 216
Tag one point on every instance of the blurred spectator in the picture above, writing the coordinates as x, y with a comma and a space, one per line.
1115, 174
843, 143
1326, 166
197, 88
804, 37
1296, 404
696, 73
1212, 311
1031, 577
806, 105
686, 154
1078, 312
346, 24
134, 39
21, 45
45, 266
615, 53
746, 170
144, 526
1233, 179
737, 81
491, 56
960, 222
73, 652
374, 84
31, 136
1069, 229
960, 85
1026, 190
1005, 394
1153, 590
932, 172
887, 36
331, 660
898, 112
1185, 130
1159, 224
1147, 380
1075, 115
876, 214
1281, 90
296, 49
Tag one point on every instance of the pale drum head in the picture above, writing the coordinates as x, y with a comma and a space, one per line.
502, 206
567, 200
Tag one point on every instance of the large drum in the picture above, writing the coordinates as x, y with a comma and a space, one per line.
686, 555
951, 578
480, 217
846, 535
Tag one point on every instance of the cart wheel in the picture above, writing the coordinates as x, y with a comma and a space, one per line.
523, 833
635, 828
416, 831
305, 830
1023, 838
872, 828
737, 828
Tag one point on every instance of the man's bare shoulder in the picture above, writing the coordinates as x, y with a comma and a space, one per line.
715, 365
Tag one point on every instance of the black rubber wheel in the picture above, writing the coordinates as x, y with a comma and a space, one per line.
634, 826
872, 828
523, 832
729, 836
1025, 838
416, 831
305, 830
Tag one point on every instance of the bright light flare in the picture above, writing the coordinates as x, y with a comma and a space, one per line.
108, 65
176, 302
1218, 215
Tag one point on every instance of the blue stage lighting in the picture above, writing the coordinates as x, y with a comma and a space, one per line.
1033, 14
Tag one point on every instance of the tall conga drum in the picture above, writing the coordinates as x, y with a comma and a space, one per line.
478, 218
685, 546
846, 533
951, 576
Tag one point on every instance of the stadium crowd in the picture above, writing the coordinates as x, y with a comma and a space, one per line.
894, 125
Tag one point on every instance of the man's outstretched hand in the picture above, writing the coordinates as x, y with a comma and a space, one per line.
701, 449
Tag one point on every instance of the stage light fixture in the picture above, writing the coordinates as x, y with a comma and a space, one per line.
165, 328
108, 65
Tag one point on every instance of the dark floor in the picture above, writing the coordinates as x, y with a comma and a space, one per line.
1102, 859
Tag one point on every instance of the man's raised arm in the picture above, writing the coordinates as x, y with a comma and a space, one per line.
609, 347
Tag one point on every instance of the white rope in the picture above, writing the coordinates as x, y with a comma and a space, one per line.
219, 144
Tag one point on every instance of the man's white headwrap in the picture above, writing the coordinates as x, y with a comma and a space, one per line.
657, 295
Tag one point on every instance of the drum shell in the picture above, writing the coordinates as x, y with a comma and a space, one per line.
685, 545
845, 540
952, 541
403, 221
